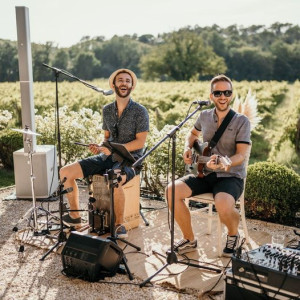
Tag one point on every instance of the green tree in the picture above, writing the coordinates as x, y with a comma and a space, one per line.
86, 65
183, 56
250, 63
61, 59
40, 55
120, 52
8, 62
287, 61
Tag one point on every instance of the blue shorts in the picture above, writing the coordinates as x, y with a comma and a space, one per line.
100, 164
212, 184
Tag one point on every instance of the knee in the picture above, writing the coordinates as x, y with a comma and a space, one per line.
225, 211
64, 172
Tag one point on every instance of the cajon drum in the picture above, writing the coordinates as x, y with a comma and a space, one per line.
132, 201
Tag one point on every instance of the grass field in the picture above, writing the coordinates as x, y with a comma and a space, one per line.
6, 178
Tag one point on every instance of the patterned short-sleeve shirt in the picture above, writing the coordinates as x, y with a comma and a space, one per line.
133, 120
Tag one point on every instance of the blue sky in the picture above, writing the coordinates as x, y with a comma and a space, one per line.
65, 22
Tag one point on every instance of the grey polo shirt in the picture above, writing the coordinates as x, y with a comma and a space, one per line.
133, 120
237, 131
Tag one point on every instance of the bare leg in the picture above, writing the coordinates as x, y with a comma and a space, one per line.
182, 212
72, 172
229, 215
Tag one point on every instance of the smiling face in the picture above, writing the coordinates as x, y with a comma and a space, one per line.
221, 101
123, 85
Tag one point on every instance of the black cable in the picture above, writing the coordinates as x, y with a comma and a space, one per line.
201, 262
152, 286
73, 276
220, 277
264, 292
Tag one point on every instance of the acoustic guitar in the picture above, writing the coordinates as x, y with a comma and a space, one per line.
201, 155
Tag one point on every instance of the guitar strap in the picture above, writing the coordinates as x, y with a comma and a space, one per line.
221, 129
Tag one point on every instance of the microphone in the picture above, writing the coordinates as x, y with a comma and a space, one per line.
108, 92
104, 92
53, 68
66, 191
201, 102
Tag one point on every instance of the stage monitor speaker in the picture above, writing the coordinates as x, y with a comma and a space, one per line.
45, 172
90, 257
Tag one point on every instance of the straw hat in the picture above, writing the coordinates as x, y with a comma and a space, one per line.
115, 73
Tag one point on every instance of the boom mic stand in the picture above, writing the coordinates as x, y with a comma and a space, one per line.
121, 154
171, 255
62, 235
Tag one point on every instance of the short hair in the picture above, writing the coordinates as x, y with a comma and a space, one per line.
220, 77
122, 71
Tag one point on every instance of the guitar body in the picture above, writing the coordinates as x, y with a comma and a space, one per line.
202, 155
201, 149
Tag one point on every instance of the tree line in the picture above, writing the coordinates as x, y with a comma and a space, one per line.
256, 52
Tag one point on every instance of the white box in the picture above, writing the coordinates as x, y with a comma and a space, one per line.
45, 172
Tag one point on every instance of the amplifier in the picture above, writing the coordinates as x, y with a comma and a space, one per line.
90, 257
270, 266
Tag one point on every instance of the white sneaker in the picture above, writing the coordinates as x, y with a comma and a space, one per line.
185, 246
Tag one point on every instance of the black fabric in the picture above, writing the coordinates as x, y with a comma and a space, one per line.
212, 184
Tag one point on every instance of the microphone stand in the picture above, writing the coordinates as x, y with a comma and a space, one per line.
122, 155
171, 255
62, 237
57, 71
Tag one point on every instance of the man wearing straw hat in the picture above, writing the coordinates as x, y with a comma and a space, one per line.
125, 122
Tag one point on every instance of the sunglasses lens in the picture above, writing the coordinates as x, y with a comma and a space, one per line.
217, 93
227, 93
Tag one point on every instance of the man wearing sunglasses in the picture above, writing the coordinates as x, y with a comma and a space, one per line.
226, 183
125, 122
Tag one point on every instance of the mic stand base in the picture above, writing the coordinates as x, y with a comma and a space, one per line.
172, 258
61, 239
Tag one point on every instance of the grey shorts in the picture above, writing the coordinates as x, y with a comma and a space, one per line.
213, 184
99, 165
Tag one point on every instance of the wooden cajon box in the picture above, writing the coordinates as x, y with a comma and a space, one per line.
132, 199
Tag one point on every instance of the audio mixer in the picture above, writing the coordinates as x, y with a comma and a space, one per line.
275, 268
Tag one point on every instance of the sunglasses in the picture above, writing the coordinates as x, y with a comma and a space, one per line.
226, 93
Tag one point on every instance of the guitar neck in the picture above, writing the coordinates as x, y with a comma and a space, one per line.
202, 159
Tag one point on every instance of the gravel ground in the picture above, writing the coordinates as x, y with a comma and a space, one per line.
26, 277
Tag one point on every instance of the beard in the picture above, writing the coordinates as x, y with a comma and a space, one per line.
119, 93
221, 107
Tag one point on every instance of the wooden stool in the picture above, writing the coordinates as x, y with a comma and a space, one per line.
132, 200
